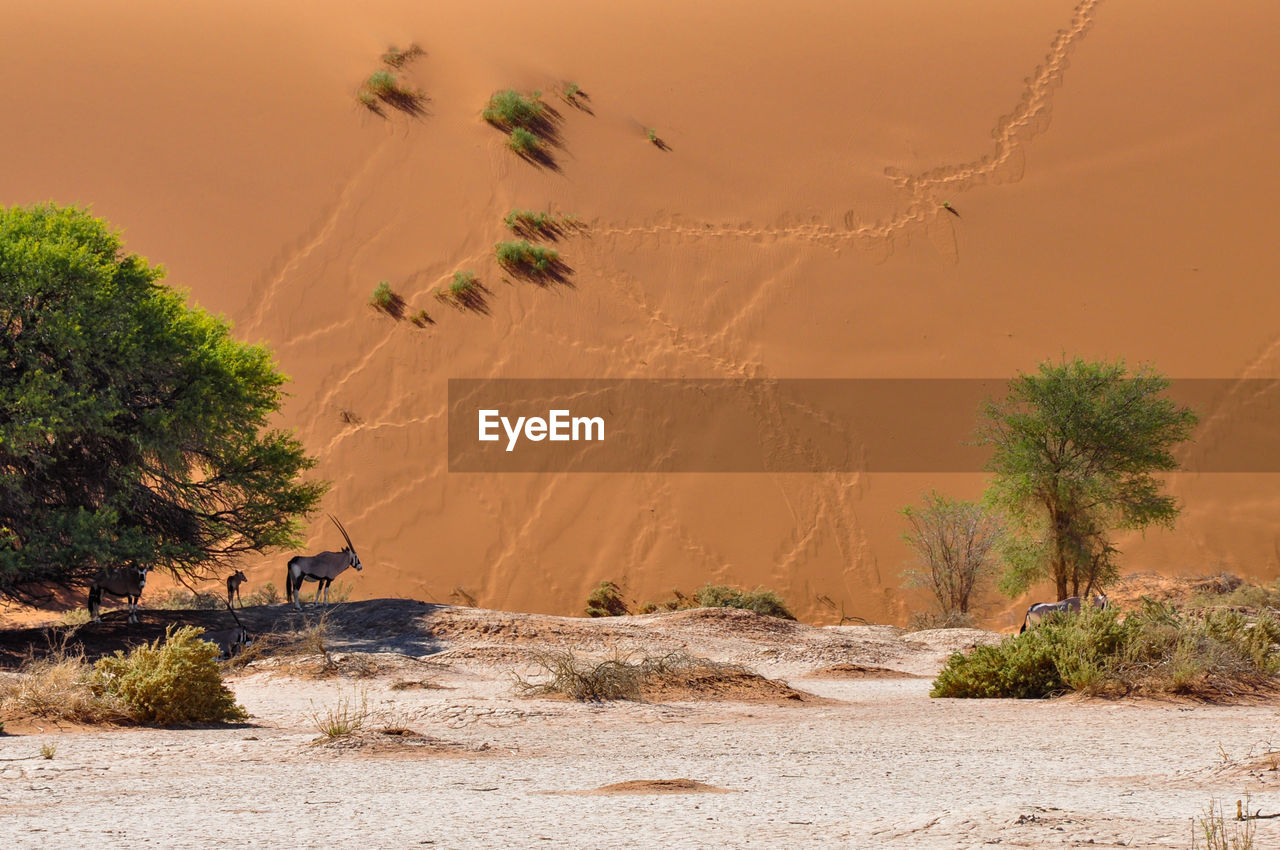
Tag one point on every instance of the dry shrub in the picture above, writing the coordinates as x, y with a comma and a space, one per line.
676, 675
58, 687
926, 620
177, 682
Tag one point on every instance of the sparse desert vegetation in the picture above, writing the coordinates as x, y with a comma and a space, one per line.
510, 110
524, 258
760, 600
537, 224
523, 142
385, 87
396, 57
606, 601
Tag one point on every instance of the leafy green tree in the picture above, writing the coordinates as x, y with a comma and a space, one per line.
1076, 447
133, 429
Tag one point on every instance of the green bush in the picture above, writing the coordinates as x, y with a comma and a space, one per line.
760, 601
530, 222
523, 142
606, 601
177, 682
462, 284
383, 298
1155, 650
509, 109
382, 84
527, 258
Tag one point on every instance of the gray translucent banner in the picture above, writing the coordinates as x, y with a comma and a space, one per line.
795, 425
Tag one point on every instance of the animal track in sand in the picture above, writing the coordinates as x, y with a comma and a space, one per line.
1028, 119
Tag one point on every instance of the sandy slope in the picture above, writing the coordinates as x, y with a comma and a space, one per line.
877, 763
1112, 162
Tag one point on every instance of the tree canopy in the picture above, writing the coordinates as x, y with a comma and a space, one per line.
133, 429
1076, 447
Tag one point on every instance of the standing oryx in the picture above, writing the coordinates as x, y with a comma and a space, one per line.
122, 581
323, 568
233, 586
1040, 610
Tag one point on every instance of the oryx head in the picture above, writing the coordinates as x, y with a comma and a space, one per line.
352, 558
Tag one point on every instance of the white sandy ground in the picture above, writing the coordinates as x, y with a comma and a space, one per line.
879, 764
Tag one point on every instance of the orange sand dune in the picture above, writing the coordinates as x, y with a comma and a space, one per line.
1112, 164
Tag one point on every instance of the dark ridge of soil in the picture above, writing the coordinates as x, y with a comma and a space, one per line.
860, 671
658, 786
728, 684
374, 625
392, 742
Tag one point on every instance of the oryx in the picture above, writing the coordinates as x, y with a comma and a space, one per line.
230, 641
233, 586
1040, 610
323, 568
122, 581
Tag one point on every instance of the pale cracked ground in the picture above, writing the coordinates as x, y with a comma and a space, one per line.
879, 765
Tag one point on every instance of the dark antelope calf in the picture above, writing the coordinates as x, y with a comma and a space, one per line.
233, 586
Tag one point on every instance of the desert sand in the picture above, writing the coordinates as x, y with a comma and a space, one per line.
1112, 164
868, 760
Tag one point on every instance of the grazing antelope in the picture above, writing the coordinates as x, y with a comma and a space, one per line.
123, 581
233, 586
1040, 610
323, 568
231, 641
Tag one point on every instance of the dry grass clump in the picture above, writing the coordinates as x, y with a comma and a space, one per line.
346, 717
58, 687
1157, 650
1211, 832
307, 646
674, 676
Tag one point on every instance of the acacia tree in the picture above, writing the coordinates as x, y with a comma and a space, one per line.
954, 542
1076, 447
133, 429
